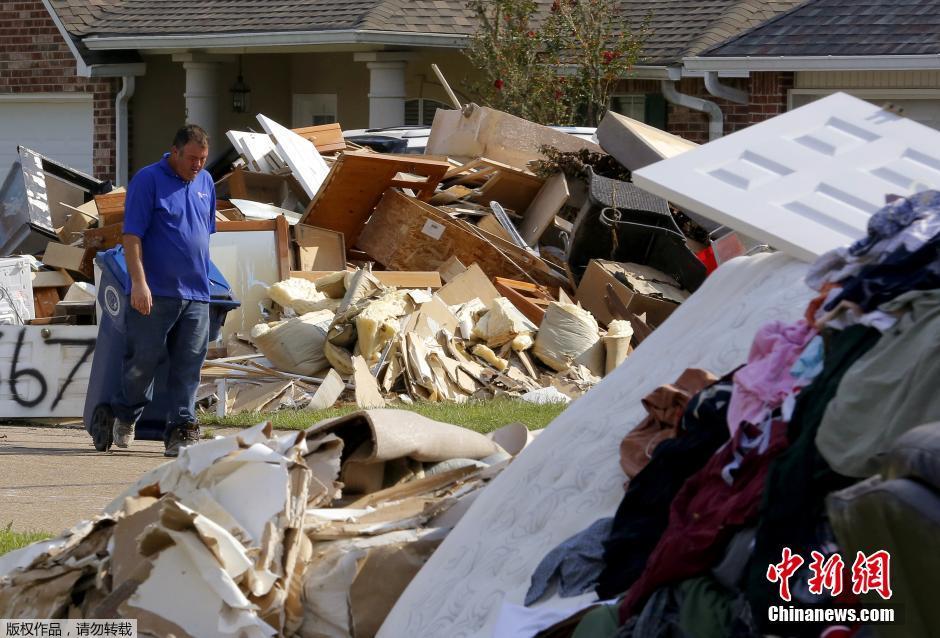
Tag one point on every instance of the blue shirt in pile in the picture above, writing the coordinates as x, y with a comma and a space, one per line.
173, 219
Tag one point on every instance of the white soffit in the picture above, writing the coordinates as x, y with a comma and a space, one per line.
806, 181
304, 160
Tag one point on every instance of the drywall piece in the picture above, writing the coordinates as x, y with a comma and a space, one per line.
356, 182
16, 302
603, 276
550, 199
807, 181
58, 358
571, 474
635, 144
305, 162
368, 395
479, 131
471, 284
260, 211
257, 149
329, 391
319, 249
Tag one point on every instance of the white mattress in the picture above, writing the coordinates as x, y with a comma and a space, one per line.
570, 475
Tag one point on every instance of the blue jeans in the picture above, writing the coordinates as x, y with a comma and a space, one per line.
176, 331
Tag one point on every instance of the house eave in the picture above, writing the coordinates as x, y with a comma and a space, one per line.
814, 63
275, 39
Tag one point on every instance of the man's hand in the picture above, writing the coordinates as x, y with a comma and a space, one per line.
141, 301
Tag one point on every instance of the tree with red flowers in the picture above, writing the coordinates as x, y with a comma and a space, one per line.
552, 64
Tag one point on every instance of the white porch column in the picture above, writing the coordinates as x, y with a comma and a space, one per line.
386, 87
202, 97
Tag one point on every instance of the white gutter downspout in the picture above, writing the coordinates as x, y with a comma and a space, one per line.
714, 86
716, 119
120, 129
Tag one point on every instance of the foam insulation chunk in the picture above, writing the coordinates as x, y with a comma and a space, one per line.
301, 296
617, 343
502, 324
567, 332
490, 357
295, 345
378, 323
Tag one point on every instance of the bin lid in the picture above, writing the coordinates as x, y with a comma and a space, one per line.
113, 261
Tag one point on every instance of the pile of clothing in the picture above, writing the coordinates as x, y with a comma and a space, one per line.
728, 471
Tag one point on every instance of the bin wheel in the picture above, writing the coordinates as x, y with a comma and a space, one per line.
102, 420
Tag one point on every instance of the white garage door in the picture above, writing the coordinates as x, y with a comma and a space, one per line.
923, 108
59, 127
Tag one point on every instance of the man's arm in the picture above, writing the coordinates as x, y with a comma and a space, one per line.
141, 301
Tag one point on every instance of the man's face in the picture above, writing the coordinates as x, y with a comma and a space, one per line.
189, 160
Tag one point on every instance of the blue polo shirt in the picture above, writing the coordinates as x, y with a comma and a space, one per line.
173, 219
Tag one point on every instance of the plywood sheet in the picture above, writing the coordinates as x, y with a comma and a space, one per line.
804, 182
356, 183
406, 234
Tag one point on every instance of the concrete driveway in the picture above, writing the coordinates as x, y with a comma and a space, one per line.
51, 477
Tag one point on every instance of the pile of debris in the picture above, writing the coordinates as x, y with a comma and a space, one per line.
262, 535
494, 264
380, 301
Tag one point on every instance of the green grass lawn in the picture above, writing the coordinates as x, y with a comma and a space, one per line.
10, 540
480, 416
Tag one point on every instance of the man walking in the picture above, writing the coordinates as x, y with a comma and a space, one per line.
168, 216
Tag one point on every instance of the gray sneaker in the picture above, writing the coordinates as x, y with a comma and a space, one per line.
122, 433
182, 436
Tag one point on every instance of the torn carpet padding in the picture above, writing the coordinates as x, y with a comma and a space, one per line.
570, 476
374, 437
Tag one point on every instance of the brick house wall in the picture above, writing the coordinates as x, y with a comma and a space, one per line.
34, 58
768, 97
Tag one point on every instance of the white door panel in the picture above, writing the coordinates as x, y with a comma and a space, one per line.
806, 181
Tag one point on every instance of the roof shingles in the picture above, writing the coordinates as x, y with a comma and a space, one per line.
678, 27
844, 28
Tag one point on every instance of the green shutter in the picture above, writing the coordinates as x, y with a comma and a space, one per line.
655, 110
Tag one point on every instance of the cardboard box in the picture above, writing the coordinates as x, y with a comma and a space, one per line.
593, 288
62, 256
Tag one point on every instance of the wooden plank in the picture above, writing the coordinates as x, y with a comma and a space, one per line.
399, 279
407, 234
328, 138
355, 185
52, 279
245, 226
319, 248
491, 225
110, 208
282, 241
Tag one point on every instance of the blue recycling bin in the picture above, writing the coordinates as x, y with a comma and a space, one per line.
106, 367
